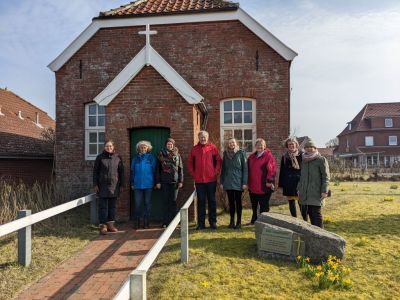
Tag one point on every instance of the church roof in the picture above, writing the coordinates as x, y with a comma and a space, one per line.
228, 11
149, 7
22, 125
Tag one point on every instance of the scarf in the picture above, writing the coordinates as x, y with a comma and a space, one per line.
231, 153
168, 159
292, 157
310, 157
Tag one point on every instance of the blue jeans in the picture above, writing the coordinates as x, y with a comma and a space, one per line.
206, 190
143, 196
107, 208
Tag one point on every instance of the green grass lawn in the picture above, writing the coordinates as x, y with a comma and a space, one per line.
224, 264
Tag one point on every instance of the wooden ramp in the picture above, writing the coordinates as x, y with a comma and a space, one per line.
97, 271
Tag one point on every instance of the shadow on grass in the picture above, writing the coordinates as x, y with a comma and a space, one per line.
386, 224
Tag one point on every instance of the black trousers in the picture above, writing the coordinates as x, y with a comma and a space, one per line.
206, 191
262, 200
235, 205
170, 193
107, 208
292, 207
314, 212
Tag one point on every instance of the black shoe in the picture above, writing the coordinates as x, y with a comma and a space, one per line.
238, 226
200, 227
213, 226
231, 225
136, 223
146, 223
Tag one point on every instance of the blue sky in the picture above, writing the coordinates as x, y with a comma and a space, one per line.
349, 52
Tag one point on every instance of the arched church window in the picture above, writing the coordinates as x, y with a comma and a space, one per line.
95, 121
238, 120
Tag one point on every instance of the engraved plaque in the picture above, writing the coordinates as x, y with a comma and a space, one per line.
276, 241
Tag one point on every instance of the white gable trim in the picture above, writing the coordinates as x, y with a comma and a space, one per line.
160, 65
239, 14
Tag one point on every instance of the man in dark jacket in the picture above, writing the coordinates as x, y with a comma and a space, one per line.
204, 165
108, 181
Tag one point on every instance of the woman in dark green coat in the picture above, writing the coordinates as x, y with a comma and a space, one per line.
314, 184
234, 179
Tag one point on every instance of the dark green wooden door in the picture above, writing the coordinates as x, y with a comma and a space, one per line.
156, 136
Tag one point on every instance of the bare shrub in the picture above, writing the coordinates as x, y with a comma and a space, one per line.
36, 197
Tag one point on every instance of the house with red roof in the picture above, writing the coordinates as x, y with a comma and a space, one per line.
154, 69
371, 139
27, 152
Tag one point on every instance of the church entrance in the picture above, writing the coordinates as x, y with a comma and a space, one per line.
156, 136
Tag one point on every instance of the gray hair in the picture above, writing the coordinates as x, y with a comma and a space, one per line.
147, 143
203, 132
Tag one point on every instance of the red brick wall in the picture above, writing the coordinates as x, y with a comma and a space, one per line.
26, 170
217, 59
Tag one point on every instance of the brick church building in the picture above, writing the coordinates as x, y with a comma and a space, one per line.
158, 68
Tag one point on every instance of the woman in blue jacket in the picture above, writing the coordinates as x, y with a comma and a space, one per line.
143, 168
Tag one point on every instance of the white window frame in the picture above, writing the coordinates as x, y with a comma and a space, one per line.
392, 140
91, 129
249, 126
369, 140
388, 122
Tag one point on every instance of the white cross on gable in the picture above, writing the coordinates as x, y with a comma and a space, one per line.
148, 32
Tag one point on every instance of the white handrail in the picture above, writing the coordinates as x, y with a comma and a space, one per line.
45, 214
151, 256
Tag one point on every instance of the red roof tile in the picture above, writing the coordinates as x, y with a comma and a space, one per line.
372, 110
22, 137
147, 7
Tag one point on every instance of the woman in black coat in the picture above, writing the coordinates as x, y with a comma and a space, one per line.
289, 174
108, 181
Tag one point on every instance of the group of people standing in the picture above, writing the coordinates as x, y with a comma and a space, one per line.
304, 178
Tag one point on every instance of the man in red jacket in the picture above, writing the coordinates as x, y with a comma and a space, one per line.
204, 165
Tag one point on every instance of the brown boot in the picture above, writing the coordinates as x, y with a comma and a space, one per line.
103, 229
111, 227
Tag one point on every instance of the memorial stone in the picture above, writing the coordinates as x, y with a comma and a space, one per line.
277, 233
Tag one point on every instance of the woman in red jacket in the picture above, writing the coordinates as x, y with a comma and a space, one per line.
262, 170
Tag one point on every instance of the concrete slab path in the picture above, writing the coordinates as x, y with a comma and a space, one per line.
98, 270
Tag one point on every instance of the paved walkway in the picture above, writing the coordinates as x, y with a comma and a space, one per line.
99, 270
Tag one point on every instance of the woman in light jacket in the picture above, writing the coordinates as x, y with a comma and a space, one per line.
143, 168
289, 174
314, 184
262, 170
234, 179
169, 178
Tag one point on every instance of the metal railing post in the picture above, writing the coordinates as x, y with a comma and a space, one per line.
137, 285
184, 236
24, 241
94, 215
